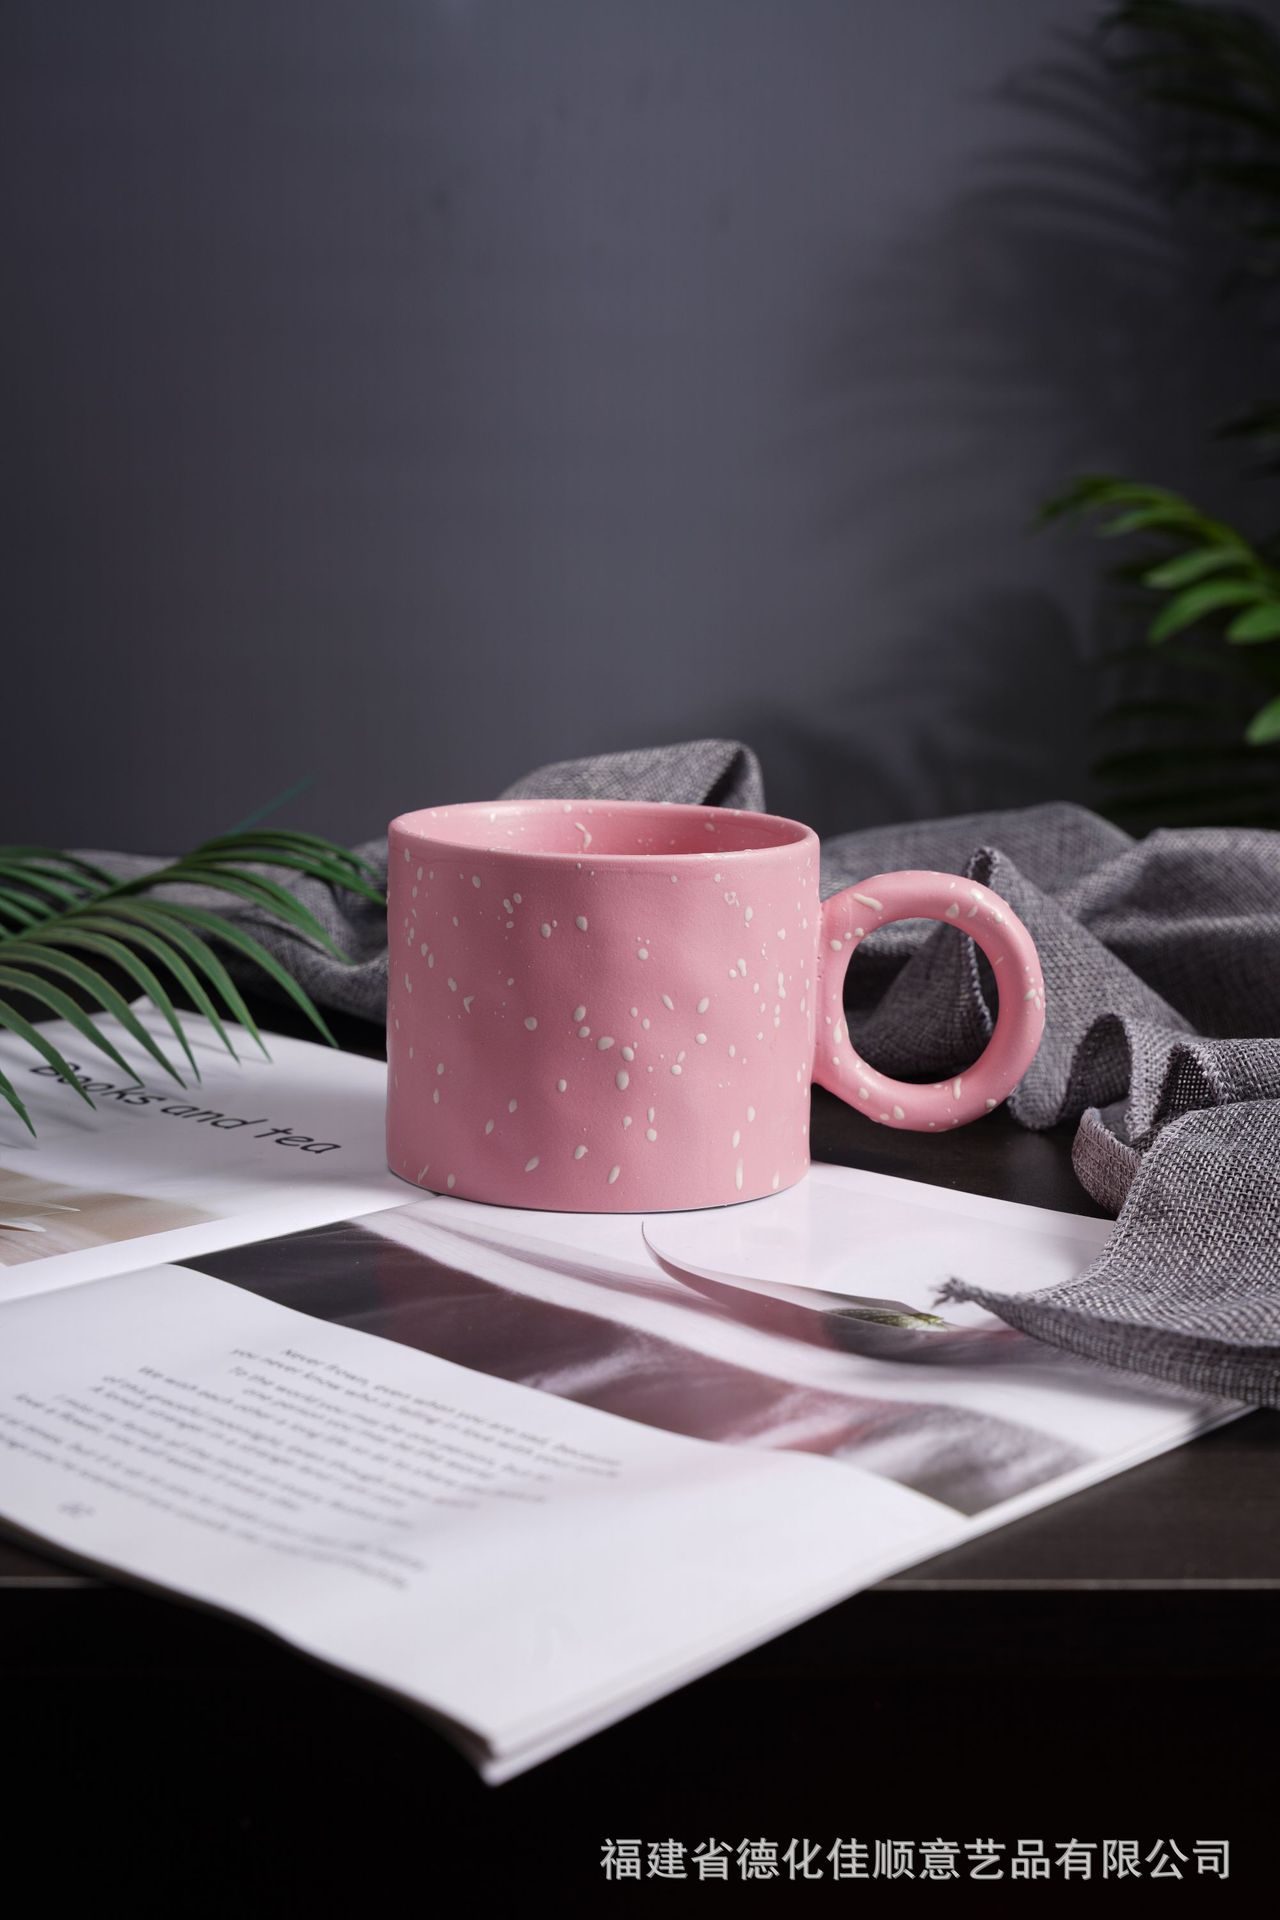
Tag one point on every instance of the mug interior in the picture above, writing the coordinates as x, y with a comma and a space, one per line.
607, 830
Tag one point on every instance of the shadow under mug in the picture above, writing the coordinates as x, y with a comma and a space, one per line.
619, 1006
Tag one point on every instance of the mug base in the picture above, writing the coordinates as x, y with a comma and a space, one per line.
521, 1205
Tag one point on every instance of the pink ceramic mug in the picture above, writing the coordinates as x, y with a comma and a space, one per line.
616, 1007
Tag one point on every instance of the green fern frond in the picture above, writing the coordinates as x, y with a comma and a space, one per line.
62, 918
1211, 569
1187, 740
1204, 579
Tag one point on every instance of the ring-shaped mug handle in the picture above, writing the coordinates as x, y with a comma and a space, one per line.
847, 918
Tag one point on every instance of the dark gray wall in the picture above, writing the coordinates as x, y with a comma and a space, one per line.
403, 394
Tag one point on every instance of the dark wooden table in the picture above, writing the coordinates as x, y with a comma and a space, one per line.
1106, 1668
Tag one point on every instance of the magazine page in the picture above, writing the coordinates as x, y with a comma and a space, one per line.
619, 1312
153, 1171
524, 1566
555, 1465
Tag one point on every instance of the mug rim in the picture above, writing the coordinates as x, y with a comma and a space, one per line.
796, 833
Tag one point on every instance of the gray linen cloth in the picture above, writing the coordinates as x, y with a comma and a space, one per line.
1162, 973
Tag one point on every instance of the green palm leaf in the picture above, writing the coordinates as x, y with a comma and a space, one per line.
70, 931
1206, 78
1209, 577
9, 1093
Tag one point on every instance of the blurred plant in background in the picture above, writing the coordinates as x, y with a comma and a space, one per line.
1198, 742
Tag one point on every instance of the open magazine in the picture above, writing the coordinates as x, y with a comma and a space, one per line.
155, 1170
527, 1470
